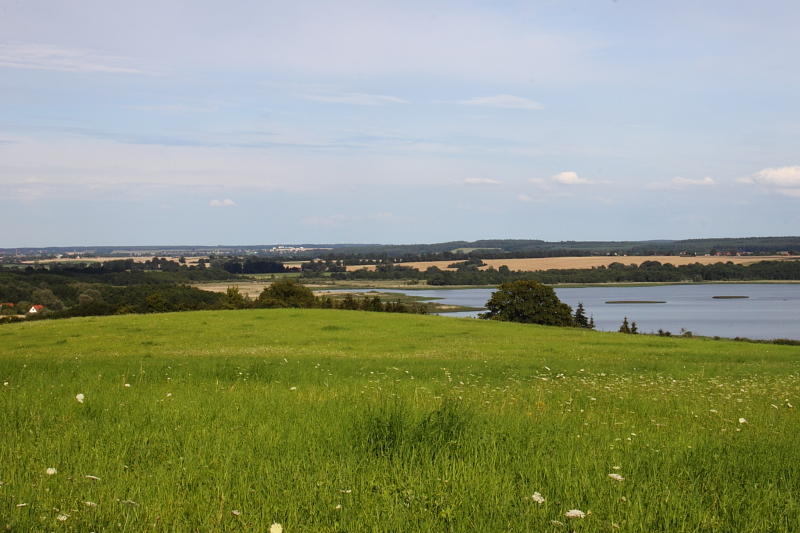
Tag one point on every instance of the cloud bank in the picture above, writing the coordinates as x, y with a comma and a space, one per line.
570, 178
45, 57
679, 183
783, 180
227, 202
481, 181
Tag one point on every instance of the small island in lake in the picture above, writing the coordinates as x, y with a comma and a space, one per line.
635, 302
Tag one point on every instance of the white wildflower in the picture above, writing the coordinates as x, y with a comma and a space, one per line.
616, 467
51, 471
79, 397
742, 421
538, 498
292, 388
90, 504
616, 477
127, 384
130, 503
338, 506
93, 477
714, 411
235, 513
22, 504
557, 523
169, 394
276, 528
575, 513
62, 518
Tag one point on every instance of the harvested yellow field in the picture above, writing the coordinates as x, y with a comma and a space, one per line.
547, 263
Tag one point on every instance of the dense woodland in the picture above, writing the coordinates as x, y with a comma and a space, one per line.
468, 273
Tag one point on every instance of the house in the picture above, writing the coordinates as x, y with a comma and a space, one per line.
7, 305
36, 309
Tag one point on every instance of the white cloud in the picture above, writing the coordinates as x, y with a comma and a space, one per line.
356, 99
227, 202
683, 181
570, 178
45, 57
678, 183
481, 181
539, 182
503, 100
783, 180
524, 198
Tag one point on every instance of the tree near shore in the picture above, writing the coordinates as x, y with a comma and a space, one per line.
528, 302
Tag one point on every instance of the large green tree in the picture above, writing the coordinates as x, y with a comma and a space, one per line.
528, 302
286, 293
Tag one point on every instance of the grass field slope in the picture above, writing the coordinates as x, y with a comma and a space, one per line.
335, 421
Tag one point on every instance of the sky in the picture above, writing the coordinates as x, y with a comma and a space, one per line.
284, 122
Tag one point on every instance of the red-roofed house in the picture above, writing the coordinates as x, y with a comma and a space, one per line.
36, 309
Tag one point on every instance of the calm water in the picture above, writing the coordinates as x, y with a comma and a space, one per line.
772, 311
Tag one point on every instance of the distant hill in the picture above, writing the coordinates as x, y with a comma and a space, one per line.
758, 245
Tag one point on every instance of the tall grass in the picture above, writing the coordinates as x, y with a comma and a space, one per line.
335, 421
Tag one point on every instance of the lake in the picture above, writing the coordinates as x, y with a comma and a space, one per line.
770, 311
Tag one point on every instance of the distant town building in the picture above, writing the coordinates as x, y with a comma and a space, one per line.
36, 309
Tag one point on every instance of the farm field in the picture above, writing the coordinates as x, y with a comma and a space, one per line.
333, 421
547, 263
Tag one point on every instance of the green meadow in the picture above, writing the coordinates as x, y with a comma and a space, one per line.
337, 421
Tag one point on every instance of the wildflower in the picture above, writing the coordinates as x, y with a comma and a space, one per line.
235, 513
22, 504
623, 499
169, 394
616, 467
742, 421
276, 528
616, 477
51, 471
79, 397
557, 523
93, 477
62, 518
714, 411
338, 506
130, 503
127, 384
575, 513
292, 388
538, 498
90, 504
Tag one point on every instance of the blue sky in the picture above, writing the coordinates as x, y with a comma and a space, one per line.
211, 122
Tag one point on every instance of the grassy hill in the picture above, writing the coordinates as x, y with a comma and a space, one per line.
340, 421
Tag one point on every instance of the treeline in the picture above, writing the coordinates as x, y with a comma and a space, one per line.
56, 289
124, 272
104, 300
525, 248
648, 272
288, 292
